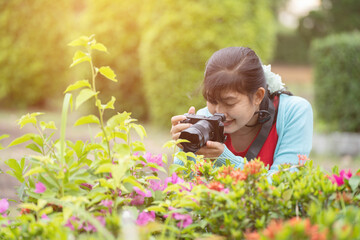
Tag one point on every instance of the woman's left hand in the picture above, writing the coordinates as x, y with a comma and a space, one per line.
211, 149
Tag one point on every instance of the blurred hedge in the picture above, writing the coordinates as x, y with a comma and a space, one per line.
178, 38
291, 48
34, 56
337, 80
116, 25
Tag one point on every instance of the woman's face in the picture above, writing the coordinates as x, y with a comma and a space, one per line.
238, 109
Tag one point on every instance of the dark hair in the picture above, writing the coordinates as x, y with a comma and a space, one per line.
234, 68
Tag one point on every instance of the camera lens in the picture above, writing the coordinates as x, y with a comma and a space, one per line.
198, 134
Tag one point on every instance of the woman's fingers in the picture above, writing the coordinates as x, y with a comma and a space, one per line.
191, 110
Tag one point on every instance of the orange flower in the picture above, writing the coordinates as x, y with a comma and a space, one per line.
272, 229
217, 186
252, 235
238, 175
253, 167
302, 159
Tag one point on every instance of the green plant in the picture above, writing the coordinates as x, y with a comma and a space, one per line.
336, 91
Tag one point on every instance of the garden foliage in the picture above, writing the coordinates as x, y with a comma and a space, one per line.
336, 59
110, 187
180, 36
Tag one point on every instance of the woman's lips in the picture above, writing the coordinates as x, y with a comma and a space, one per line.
228, 122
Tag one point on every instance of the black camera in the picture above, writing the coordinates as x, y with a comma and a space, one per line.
203, 129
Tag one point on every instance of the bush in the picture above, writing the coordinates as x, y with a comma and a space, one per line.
33, 52
336, 62
179, 37
291, 48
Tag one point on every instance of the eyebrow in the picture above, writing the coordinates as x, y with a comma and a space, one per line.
228, 98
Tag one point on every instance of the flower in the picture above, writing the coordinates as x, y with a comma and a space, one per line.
39, 187
174, 179
302, 159
4, 205
217, 186
339, 179
273, 80
106, 203
253, 167
154, 159
147, 193
137, 200
156, 185
45, 217
145, 217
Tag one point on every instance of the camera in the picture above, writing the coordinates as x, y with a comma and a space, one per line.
203, 129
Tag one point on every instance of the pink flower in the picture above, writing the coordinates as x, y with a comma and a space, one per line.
154, 159
147, 193
174, 179
302, 159
72, 220
346, 175
339, 179
106, 203
156, 185
44, 217
145, 217
39, 187
4, 205
137, 200
184, 219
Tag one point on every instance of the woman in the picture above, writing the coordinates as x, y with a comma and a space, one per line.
262, 119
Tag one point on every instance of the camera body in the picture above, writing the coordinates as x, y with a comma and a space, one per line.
203, 129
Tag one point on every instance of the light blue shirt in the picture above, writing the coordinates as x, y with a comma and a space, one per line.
294, 126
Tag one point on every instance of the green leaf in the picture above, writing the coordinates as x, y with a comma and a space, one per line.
133, 182
34, 170
156, 209
176, 168
87, 120
49, 125
287, 195
80, 57
104, 168
81, 41
77, 85
140, 130
34, 147
99, 47
83, 96
4, 136
22, 139
109, 105
108, 73
354, 182
28, 118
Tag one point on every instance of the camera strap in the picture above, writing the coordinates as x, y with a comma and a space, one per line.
263, 134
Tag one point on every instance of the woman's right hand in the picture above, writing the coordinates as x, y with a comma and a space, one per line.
177, 126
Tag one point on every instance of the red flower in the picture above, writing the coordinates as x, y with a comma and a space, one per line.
24, 211
253, 167
302, 159
217, 186
238, 175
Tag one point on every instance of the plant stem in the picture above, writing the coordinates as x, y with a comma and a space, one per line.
93, 74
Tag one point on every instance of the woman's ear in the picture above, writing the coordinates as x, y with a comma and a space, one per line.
259, 95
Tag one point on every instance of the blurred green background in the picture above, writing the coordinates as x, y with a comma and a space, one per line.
158, 49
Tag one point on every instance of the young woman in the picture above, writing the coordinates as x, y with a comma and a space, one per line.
262, 119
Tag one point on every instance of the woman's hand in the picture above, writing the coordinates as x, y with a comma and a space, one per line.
211, 149
177, 127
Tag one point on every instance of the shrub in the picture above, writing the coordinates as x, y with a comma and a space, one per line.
336, 59
33, 52
179, 36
